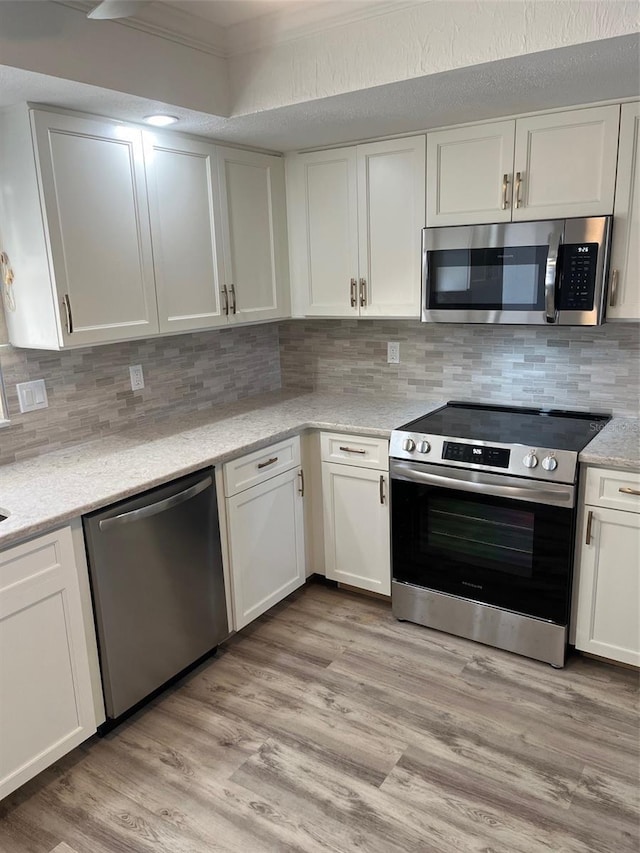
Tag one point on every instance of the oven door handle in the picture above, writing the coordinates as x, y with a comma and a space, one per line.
563, 496
552, 275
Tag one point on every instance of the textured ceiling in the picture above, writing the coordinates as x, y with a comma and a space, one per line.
607, 69
226, 13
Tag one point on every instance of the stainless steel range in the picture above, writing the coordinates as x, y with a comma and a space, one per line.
483, 511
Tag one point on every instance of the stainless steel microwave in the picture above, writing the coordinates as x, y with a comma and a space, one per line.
552, 271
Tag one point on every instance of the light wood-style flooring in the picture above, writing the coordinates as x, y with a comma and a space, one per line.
329, 726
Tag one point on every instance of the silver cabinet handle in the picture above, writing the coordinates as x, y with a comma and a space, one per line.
613, 298
518, 188
587, 539
67, 310
381, 489
628, 491
505, 187
352, 450
154, 509
301, 489
268, 462
354, 293
232, 291
363, 292
226, 300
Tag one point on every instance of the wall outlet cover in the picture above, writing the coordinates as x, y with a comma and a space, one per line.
393, 352
137, 377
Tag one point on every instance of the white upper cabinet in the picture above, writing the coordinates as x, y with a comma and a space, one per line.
77, 231
254, 236
391, 215
565, 164
469, 170
624, 288
323, 232
550, 166
114, 232
355, 217
184, 205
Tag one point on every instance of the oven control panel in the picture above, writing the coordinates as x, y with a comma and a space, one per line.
534, 463
497, 457
578, 279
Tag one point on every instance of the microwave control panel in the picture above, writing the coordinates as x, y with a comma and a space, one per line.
577, 276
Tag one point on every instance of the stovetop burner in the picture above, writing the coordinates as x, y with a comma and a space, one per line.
553, 428
505, 439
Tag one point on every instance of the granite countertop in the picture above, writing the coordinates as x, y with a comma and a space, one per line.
47, 491
615, 446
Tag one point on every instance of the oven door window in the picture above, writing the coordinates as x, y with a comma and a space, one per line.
505, 279
510, 554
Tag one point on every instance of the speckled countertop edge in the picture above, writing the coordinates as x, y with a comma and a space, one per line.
47, 491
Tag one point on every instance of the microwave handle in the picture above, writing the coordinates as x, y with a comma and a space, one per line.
552, 273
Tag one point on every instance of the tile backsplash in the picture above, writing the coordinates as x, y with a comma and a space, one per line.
90, 393
589, 368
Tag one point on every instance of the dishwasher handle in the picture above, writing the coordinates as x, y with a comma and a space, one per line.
154, 509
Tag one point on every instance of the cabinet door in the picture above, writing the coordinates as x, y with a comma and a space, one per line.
356, 526
182, 179
624, 290
470, 174
95, 200
567, 164
266, 545
391, 215
46, 705
254, 229
608, 612
323, 222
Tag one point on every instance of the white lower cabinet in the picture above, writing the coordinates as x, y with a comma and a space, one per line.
356, 512
46, 701
265, 527
608, 568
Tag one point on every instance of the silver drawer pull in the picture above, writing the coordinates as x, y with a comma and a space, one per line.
627, 491
353, 450
381, 488
268, 462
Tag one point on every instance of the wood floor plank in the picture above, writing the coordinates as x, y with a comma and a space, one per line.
327, 726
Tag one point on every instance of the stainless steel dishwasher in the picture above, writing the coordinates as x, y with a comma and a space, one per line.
155, 564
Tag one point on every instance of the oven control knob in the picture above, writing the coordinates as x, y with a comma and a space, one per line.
408, 444
530, 460
550, 463
424, 447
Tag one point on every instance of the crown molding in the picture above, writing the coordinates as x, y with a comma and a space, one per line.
167, 22
295, 22
301, 21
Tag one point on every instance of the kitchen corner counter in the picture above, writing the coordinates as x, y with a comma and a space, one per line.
46, 491
615, 446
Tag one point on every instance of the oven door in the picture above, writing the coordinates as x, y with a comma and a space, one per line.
499, 540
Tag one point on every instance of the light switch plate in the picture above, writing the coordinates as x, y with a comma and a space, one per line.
32, 395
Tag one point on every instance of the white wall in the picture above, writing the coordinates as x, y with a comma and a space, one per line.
432, 37
61, 42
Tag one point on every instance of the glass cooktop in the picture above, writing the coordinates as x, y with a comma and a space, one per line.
554, 428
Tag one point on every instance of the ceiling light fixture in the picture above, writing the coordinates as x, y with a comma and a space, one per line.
161, 120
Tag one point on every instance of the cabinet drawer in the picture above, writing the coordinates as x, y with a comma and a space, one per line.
357, 450
613, 489
247, 471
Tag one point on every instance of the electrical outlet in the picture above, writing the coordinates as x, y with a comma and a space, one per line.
32, 395
393, 352
137, 377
